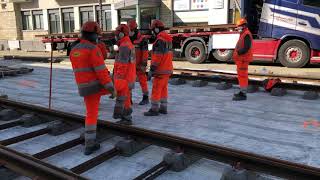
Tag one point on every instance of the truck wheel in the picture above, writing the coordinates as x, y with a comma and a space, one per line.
294, 54
195, 52
223, 55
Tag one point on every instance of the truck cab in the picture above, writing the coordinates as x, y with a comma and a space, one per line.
292, 29
285, 31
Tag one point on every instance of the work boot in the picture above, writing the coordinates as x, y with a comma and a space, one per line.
91, 149
239, 96
151, 113
145, 100
163, 110
117, 112
126, 119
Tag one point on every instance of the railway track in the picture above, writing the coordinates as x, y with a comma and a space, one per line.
287, 82
45, 144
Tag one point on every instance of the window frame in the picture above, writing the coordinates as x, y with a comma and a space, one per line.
87, 10
56, 13
37, 14
120, 17
68, 12
27, 23
105, 9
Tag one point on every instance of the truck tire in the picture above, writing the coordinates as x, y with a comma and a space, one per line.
294, 54
195, 52
223, 55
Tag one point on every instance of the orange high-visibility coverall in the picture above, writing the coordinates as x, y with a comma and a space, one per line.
92, 78
124, 73
243, 56
141, 48
161, 67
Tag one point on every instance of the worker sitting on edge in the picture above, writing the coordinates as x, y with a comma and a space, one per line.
161, 69
242, 56
92, 78
141, 47
124, 75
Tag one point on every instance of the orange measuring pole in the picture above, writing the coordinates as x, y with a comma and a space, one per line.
50, 86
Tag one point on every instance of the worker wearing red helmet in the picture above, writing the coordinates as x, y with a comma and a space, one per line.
243, 56
124, 75
141, 47
92, 78
161, 69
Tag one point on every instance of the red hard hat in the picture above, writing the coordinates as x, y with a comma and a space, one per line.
132, 24
91, 26
122, 28
156, 24
242, 22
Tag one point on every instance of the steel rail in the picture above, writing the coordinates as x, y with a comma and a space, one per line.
81, 168
232, 78
209, 71
10, 124
57, 149
154, 172
250, 161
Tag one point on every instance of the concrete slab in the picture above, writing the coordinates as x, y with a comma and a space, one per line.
201, 170
128, 167
40, 143
17, 131
264, 124
74, 156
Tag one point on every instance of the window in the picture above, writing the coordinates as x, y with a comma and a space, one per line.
147, 15
68, 20
126, 15
106, 17
315, 3
54, 20
187, 5
86, 14
37, 19
26, 20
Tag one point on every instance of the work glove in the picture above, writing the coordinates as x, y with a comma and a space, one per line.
116, 48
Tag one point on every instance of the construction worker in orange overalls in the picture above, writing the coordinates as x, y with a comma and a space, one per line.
161, 69
92, 78
141, 47
242, 56
124, 75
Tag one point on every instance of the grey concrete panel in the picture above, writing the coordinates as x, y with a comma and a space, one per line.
127, 167
263, 124
74, 156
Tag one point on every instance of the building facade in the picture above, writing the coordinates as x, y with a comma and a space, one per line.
23, 19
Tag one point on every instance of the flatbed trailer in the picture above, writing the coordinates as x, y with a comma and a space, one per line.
188, 42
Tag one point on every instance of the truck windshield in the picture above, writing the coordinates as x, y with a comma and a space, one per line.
314, 3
